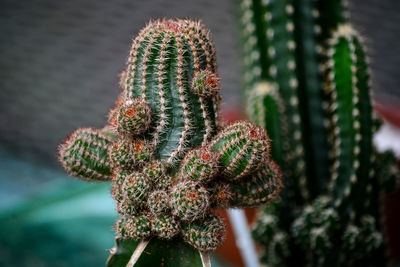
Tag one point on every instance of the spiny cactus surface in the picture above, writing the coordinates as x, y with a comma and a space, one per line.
307, 83
164, 149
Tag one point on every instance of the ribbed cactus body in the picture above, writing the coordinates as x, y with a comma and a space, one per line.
351, 115
260, 188
133, 118
199, 165
273, 28
207, 235
189, 201
163, 59
165, 226
266, 109
242, 148
307, 82
85, 154
136, 227
137, 187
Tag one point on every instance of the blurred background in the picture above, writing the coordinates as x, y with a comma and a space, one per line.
59, 62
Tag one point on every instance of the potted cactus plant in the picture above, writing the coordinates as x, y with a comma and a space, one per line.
169, 156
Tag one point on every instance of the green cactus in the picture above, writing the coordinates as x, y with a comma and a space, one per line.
135, 227
260, 188
307, 83
242, 149
199, 165
221, 195
207, 235
161, 149
158, 202
84, 154
133, 118
189, 201
154, 170
165, 226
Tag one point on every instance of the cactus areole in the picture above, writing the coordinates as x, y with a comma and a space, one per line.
164, 148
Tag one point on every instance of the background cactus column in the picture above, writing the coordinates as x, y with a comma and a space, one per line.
165, 152
307, 83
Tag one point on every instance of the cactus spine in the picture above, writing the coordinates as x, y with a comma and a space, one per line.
164, 148
307, 83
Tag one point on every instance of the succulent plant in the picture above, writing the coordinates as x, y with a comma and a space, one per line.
307, 83
164, 147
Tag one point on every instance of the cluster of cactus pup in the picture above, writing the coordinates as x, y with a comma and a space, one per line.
170, 161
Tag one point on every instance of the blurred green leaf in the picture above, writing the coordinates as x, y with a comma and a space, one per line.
68, 224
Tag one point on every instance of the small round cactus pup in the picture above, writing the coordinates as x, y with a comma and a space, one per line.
158, 202
134, 117
135, 227
119, 177
155, 170
189, 201
220, 194
165, 226
242, 149
122, 154
205, 235
126, 207
199, 165
165, 183
259, 188
206, 83
126, 154
137, 187
142, 151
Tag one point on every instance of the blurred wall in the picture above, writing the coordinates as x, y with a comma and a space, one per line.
59, 62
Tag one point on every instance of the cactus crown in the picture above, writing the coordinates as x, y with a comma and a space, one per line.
166, 58
164, 149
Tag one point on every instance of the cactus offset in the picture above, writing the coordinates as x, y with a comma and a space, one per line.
133, 118
158, 202
168, 164
165, 226
85, 154
205, 236
307, 83
189, 201
242, 148
136, 227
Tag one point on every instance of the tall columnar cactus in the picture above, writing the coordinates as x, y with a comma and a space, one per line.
307, 82
164, 150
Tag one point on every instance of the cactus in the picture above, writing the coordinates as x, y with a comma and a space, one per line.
207, 235
189, 201
307, 83
84, 154
164, 148
165, 226
158, 202
241, 148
